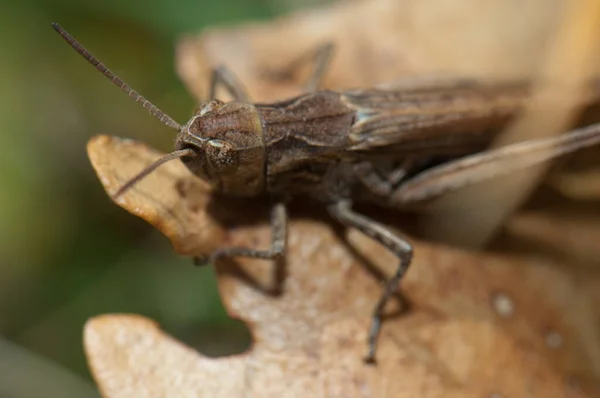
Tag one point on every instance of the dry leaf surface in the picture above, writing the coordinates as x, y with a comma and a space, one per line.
175, 207
478, 325
583, 185
377, 42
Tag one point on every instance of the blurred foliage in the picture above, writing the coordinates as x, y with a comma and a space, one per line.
66, 252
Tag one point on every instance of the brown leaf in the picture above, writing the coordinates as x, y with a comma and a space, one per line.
582, 185
478, 325
175, 208
571, 237
377, 42
132, 358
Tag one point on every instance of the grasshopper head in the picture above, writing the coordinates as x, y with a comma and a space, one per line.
228, 145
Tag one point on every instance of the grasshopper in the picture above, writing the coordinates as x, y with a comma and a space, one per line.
391, 147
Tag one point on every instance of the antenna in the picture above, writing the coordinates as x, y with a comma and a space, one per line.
149, 169
154, 111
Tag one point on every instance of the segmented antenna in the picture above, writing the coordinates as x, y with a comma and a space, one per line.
169, 156
154, 111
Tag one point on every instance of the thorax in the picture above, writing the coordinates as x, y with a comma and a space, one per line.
305, 138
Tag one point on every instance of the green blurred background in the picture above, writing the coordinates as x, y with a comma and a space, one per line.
66, 252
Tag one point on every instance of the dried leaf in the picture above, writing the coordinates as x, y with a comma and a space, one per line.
170, 199
377, 42
581, 185
132, 358
478, 325
570, 237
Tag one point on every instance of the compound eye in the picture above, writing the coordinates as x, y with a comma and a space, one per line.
221, 155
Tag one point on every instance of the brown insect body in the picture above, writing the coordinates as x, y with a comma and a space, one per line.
302, 145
